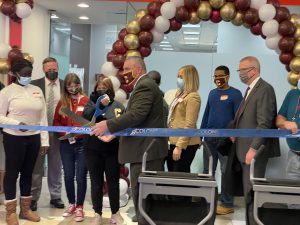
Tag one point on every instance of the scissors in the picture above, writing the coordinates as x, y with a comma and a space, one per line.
82, 121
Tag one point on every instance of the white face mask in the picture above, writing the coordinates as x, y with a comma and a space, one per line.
24, 80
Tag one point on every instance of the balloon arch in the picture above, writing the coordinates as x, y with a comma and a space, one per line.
265, 18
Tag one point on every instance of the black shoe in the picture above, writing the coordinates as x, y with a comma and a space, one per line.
134, 219
57, 203
33, 205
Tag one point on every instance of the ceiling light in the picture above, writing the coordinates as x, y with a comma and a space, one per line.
83, 5
165, 46
191, 26
165, 42
84, 18
191, 43
54, 16
191, 38
168, 49
191, 32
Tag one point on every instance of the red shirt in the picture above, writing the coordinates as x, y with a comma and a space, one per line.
77, 106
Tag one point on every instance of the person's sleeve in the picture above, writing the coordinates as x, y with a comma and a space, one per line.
89, 110
285, 105
237, 101
4, 106
44, 122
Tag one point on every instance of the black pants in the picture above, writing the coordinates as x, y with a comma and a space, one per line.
99, 161
20, 156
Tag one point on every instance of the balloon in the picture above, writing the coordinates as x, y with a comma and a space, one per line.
145, 51
266, 12
4, 50
272, 42
256, 4
251, 16
4, 66
286, 44
154, 9
122, 34
285, 58
274, 2
145, 38
110, 56
121, 96
133, 27
204, 10
297, 34
270, 28
124, 171
119, 47
296, 50
293, 78
14, 54
108, 69
15, 18
23, 10
194, 19
246, 25
8, 8
287, 67
182, 14
157, 36
256, 29
123, 185
228, 12
191, 5
295, 19
131, 41
238, 19
242, 5
147, 22
133, 53
282, 13
215, 16
295, 64
161, 24
28, 57
118, 61
140, 13
216, 4
116, 82
178, 3
286, 28
175, 25
168, 10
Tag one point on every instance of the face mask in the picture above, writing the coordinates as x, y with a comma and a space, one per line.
102, 92
221, 81
180, 83
74, 91
244, 77
24, 80
52, 75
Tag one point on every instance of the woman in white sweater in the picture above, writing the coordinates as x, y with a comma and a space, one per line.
21, 103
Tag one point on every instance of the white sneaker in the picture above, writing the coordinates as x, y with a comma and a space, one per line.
97, 219
117, 219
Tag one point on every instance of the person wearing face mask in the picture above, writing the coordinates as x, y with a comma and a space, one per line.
257, 110
51, 86
220, 109
21, 104
102, 156
72, 150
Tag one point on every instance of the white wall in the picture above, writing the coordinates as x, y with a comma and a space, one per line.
35, 38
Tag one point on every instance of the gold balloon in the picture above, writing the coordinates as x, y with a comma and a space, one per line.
295, 64
131, 41
204, 10
140, 13
295, 19
293, 79
216, 4
296, 50
194, 19
28, 57
133, 53
4, 66
133, 27
238, 19
228, 12
20, 1
297, 34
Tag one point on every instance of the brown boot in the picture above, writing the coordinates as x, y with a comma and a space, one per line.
26, 212
11, 216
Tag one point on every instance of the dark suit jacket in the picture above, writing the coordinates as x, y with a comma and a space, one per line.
144, 110
258, 112
41, 84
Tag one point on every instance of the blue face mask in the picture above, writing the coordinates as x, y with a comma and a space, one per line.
24, 80
180, 83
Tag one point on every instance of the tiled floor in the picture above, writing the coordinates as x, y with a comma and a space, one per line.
51, 216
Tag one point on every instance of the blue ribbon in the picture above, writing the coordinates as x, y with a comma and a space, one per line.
164, 132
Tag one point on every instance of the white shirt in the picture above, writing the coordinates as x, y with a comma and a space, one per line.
23, 104
56, 89
251, 86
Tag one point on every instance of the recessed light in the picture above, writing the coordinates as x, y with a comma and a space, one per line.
84, 18
83, 5
168, 49
54, 16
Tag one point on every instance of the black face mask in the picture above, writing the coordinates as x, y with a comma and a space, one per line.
102, 92
52, 75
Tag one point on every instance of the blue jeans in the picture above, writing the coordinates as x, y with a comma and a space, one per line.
293, 171
73, 161
226, 199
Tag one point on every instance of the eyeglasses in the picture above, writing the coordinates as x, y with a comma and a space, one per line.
248, 68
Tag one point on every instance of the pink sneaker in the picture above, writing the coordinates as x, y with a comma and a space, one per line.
79, 214
70, 210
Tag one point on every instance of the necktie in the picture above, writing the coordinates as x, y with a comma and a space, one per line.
238, 113
50, 105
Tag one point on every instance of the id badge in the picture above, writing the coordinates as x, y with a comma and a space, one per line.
72, 140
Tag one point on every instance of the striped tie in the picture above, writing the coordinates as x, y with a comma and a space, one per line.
50, 104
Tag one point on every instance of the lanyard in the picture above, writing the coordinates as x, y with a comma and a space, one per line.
296, 109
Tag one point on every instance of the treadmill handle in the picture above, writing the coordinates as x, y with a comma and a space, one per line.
144, 161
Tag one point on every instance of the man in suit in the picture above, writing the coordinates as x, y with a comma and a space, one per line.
144, 110
50, 81
257, 111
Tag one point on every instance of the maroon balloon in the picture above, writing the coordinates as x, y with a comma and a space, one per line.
145, 38
122, 34
251, 17
110, 56
182, 14
282, 13
191, 5
175, 25
286, 44
286, 28
215, 16
15, 18
274, 2
30, 3
163, 1
118, 61
287, 67
154, 9
147, 22
14, 54
145, 51
256, 29
119, 47
8, 7
286, 58
242, 5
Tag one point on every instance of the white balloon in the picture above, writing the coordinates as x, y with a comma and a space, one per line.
120, 95
108, 69
256, 4
266, 12
23, 10
123, 187
168, 10
178, 2
4, 49
161, 24
157, 36
272, 42
270, 28
116, 82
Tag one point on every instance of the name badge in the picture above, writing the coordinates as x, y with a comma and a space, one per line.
224, 97
80, 108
